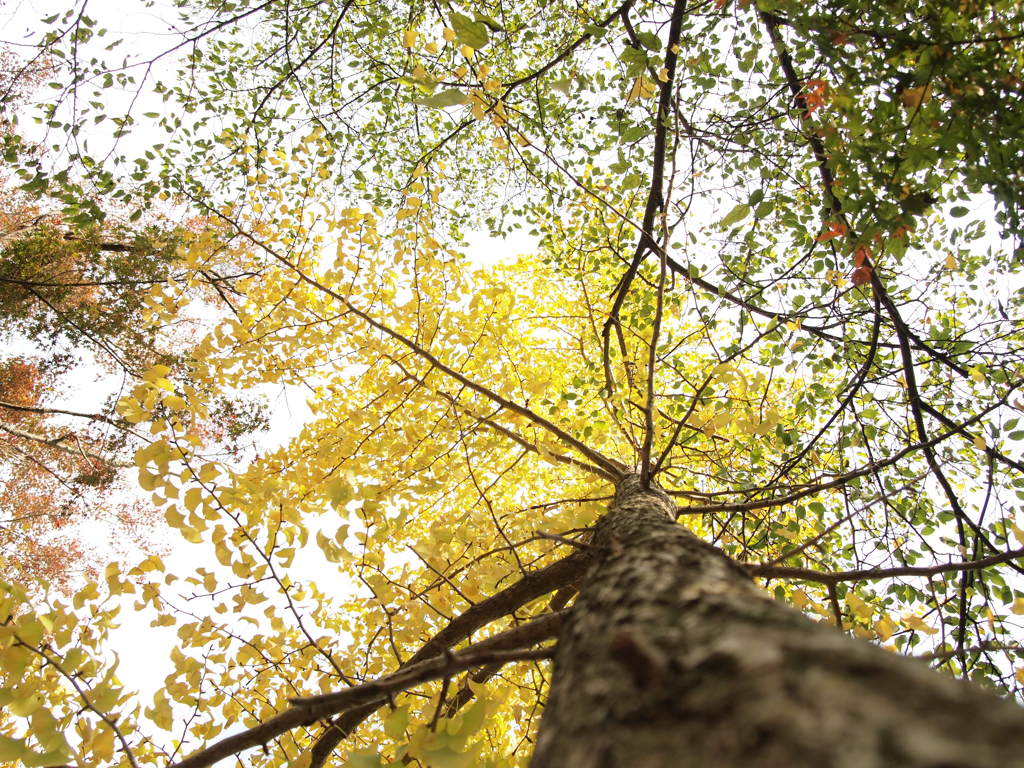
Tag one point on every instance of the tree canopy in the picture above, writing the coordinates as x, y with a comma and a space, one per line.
72, 291
770, 264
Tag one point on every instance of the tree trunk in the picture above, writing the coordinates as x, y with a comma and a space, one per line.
671, 657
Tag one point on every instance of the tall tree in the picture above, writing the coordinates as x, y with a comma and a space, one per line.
764, 350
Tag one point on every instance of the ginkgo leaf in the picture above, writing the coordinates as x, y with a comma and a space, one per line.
12, 749
396, 722
175, 402
885, 628
858, 606
800, 599
917, 623
1018, 533
363, 759
649, 40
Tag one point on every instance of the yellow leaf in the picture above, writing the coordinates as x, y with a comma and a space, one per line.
448, 34
12, 750
663, 74
102, 743
916, 622
1018, 533
431, 48
884, 628
857, 605
642, 89
155, 373
478, 109
950, 261
409, 38
977, 375
192, 498
174, 518
176, 403
1019, 674
208, 472
789, 535
634, 92
467, 51
979, 443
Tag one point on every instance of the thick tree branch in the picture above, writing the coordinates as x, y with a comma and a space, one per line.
506, 647
530, 587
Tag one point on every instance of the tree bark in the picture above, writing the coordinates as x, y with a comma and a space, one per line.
672, 657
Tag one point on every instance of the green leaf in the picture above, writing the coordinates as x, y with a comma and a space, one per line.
491, 23
396, 723
447, 757
634, 133
26, 705
649, 40
53, 757
957, 211
633, 181
12, 750
564, 85
363, 759
470, 32
736, 215
449, 97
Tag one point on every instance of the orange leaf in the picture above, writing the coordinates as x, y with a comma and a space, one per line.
815, 95
835, 229
861, 256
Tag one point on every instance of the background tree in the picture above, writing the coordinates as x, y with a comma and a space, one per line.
759, 304
74, 287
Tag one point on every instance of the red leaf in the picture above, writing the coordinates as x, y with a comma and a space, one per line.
861, 275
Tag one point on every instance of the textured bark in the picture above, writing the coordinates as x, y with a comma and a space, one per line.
671, 657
